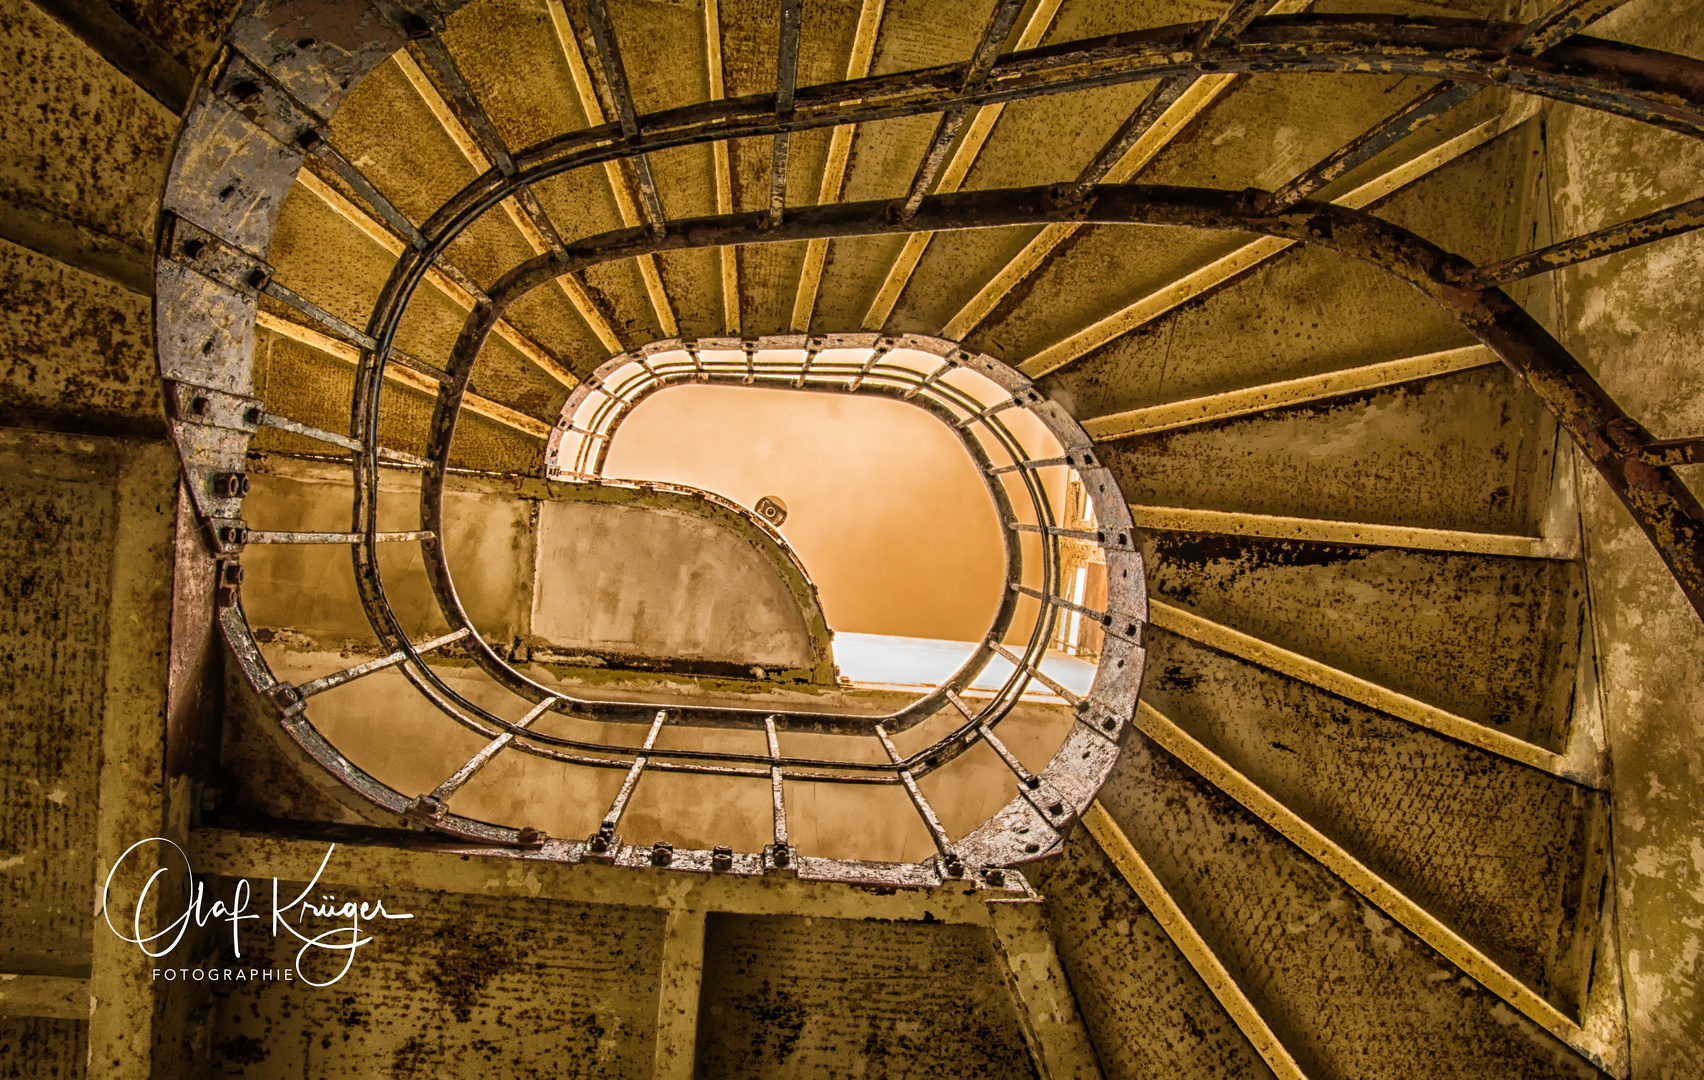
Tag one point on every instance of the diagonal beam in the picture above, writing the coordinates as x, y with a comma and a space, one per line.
445, 278
1358, 876
1629, 234
1253, 650
1169, 109
786, 80
952, 176
137, 56
1369, 144
624, 202
1562, 22
626, 115
1189, 941
947, 128
412, 861
723, 168
1326, 531
525, 209
349, 354
833, 169
1058, 1040
535, 237
1157, 303
1213, 408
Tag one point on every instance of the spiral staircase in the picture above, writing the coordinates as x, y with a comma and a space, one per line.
1389, 805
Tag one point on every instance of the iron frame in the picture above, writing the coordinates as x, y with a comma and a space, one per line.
268, 130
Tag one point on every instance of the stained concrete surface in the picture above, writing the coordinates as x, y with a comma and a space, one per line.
1294, 937
1507, 857
1485, 637
1149, 1013
827, 998
469, 987
1639, 335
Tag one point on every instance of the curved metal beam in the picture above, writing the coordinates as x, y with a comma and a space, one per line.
1667, 512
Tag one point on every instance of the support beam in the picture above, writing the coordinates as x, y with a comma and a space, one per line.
1358, 876
349, 354
1150, 307
833, 169
1193, 412
530, 231
56, 997
723, 168
446, 279
681, 983
1629, 234
1562, 22
1253, 650
624, 202
1047, 1010
408, 860
1323, 531
1189, 941
138, 56
1156, 122
1413, 116
131, 803
786, 80
626, 115
952, 176
947, 128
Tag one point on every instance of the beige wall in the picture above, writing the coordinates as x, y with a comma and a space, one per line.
885, 507
1633, 320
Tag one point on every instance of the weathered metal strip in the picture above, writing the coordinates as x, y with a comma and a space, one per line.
1190, 942
1413, 116
1674, 221
350, 674
1037, 674
1358, 876
331, 438
1247, 257
269, 536
478, 761
612, 819
1562, 22
777, 791
1289, 392
1333, 680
